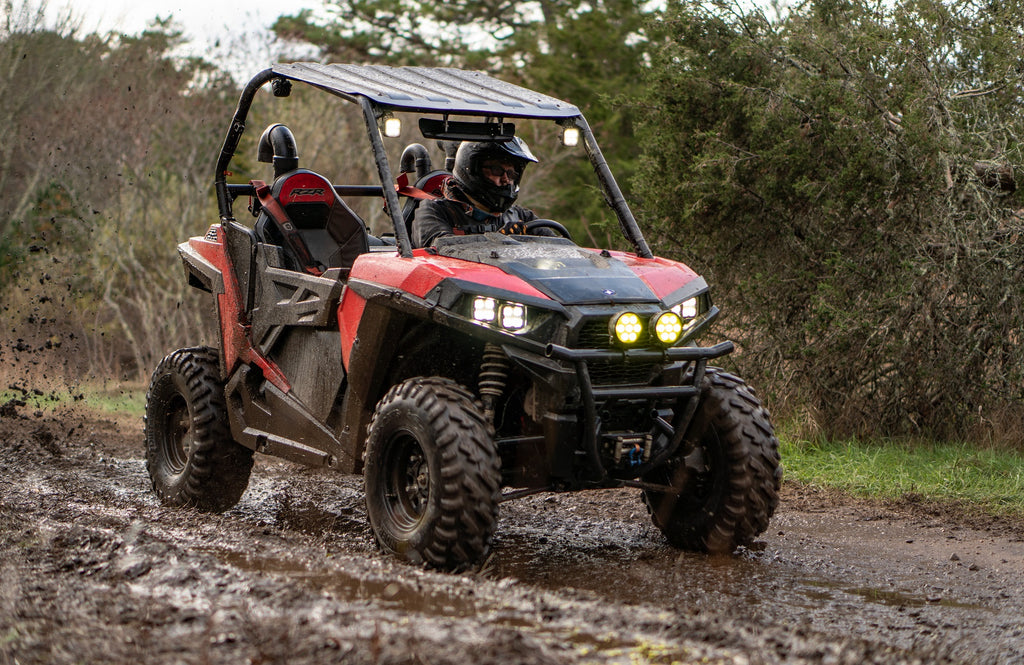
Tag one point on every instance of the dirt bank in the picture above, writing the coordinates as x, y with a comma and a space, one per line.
94, 570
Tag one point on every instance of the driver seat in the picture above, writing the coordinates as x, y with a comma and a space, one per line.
332, 233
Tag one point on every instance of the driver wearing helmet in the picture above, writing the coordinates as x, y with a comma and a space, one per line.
480, 196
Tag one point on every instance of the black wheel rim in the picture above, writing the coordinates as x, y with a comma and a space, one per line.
179, 440
696, 487
703, 485
407, 483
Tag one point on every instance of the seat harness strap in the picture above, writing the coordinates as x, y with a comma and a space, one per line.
403, 188
287, 229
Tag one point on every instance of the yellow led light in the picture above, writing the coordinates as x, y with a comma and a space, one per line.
668, 327
628, 328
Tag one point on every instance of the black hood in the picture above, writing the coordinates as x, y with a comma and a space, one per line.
556, 267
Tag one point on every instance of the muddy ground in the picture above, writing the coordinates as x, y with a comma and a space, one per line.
94, 570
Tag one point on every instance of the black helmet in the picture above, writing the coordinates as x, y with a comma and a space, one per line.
471, 156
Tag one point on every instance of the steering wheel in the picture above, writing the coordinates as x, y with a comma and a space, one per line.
557, 227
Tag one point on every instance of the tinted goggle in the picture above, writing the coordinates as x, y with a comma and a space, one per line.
496, 171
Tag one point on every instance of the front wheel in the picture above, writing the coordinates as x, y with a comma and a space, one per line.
432, 475
190, 455
728, 475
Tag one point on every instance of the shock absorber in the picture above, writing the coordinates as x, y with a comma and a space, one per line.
493, 373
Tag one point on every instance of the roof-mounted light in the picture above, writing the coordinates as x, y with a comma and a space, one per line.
392, 127
570, 136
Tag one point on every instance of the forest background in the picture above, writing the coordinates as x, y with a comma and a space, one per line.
843, 173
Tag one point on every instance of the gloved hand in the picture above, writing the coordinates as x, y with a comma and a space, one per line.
513, 228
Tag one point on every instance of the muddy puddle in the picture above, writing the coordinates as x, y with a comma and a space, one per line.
390, 594
94, 569
852, 576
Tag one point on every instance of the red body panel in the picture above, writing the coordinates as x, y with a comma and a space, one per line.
425, 270
350, 312
229, 303
234, 329
416, 276
661, 275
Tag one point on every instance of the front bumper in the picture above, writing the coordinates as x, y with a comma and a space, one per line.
562, 366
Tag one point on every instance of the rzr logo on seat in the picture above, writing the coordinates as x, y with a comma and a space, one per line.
307, 191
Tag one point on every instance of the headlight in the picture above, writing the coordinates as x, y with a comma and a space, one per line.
508, 316
626, 328
485, 310
688, 309
513, 316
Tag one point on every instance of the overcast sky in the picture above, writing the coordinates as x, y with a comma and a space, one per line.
232, 33
200, 18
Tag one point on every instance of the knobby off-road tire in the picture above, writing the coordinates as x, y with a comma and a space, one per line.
730, 500
190, 455
432, 475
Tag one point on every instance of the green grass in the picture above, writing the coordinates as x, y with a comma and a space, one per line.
117, 399
948, 472
112, 398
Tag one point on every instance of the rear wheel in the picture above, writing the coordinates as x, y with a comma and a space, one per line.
190, 455
728, 476
432, 474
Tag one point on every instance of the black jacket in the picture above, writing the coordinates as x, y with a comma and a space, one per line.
439, 217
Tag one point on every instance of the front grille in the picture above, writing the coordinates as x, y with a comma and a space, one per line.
621, 374
594, 334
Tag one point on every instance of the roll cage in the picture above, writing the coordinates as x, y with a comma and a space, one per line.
382, 90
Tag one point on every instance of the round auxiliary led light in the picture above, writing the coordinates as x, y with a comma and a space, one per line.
668, 327
627, 328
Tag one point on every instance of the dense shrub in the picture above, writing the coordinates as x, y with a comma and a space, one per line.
845, 178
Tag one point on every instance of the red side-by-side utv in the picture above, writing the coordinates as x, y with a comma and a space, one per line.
457, 376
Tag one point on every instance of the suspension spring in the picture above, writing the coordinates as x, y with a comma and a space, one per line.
493, 374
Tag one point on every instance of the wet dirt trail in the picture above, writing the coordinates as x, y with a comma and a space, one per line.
94, 570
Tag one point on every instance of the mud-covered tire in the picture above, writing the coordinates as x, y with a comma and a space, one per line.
190, 455
731, 499
432, 475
